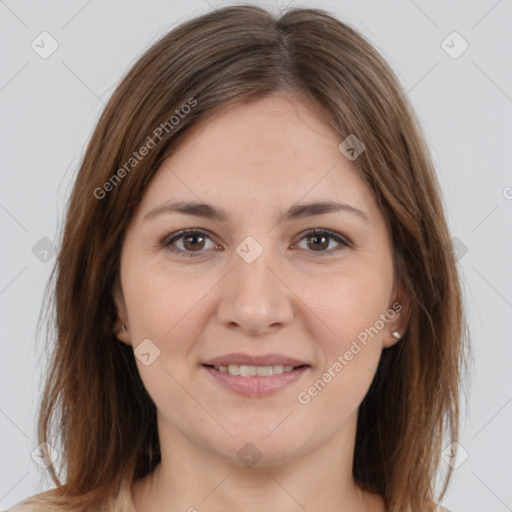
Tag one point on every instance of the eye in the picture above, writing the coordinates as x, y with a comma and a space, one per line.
194, 241
319, 238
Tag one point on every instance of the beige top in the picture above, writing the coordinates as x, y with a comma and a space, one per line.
122, 503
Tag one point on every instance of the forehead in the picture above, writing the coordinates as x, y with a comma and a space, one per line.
267, 130
268, 153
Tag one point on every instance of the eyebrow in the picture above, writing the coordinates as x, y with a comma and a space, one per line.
207, 211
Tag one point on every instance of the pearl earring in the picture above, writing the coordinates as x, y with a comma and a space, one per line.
123, 327
396, 335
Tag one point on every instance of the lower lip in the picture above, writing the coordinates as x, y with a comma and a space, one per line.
256, 386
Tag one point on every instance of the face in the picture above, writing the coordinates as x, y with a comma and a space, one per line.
257, 284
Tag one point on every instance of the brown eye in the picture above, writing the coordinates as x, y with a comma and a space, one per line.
192, 241
318, 240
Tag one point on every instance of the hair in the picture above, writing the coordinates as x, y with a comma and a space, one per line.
94, 408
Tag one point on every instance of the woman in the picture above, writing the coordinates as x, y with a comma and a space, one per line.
257, 305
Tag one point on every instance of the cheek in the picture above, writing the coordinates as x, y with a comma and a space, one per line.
160, 301
349, 354
350, 303
165, 307
162, 308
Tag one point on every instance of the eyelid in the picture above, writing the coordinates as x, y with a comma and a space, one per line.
167, 240
343, 241
338, 237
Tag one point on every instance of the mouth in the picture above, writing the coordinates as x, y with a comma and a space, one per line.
244, 370
255, 376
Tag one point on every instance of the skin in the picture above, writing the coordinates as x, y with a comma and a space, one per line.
296, 299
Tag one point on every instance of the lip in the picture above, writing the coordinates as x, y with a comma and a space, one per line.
256, 386
240, 358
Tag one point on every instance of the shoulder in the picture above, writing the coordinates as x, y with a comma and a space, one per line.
53, 500
24, 506
41, 502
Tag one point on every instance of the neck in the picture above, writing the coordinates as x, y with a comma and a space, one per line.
193, 478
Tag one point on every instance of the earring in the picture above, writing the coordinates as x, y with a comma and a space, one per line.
123, 327
396, 335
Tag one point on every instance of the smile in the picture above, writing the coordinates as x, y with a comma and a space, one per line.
253, 371
255, 381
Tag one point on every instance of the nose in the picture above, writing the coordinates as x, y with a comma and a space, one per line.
254, 297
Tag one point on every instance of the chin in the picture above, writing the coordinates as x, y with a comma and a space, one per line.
258, 448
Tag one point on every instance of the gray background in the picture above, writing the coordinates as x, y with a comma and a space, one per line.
48, 108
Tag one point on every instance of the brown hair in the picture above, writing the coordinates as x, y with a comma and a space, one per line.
94, 409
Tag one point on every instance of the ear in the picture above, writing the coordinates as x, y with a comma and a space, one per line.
121, 313
399, 313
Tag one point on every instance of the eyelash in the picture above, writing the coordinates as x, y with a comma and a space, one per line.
169, 240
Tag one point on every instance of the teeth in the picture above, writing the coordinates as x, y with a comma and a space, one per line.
253, 371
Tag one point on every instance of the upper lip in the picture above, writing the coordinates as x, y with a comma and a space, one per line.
239, 358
